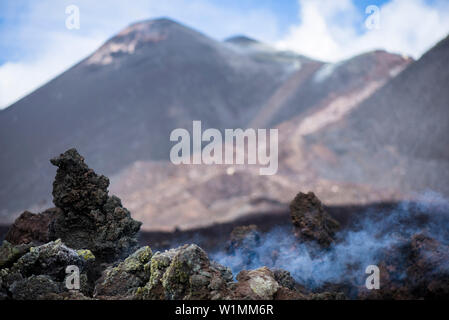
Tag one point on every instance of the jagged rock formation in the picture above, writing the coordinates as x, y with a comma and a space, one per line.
86, 218
89, 218
77, 188
311, 221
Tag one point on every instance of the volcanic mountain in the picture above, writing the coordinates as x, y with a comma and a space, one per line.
119, 105
156, 193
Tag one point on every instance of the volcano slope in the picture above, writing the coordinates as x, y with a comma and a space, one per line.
398, 137
311, 98
119, 105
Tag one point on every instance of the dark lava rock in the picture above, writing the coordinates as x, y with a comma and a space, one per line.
417, 268
40, 273
428, 268
429, 259
266, 284
284, 278
288, 294
311, 221
33, 288
243, 237
10, 253
185, 273
327, 295
123, 280
31, 227
243, 241
90, 219
259, 284
76, 187
182, 273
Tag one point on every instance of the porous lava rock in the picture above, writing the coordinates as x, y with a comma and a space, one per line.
259, 284
89, 218
185, 273
243, 238
40, 272
31, 227
416, 268
123, 280
311, 221
9, 253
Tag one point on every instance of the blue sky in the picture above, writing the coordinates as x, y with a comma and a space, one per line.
35, 44
14, 15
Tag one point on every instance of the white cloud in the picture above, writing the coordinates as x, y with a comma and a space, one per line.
328, 30
17, 79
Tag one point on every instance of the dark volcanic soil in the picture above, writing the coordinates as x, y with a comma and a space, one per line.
211, 237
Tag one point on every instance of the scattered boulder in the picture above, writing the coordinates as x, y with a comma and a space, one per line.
311, 221
243, 238
284, 278
428, 269
31, 227
34, 288
89, 218
242, 243
185, 273
259, 284
416, 268
40, 273
10, 253
122, 281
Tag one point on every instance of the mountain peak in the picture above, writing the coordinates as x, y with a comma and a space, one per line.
160, 23
241, 40
136, 34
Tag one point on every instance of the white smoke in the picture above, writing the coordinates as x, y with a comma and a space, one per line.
363, 243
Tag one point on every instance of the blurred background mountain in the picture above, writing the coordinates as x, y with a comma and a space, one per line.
367, 129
